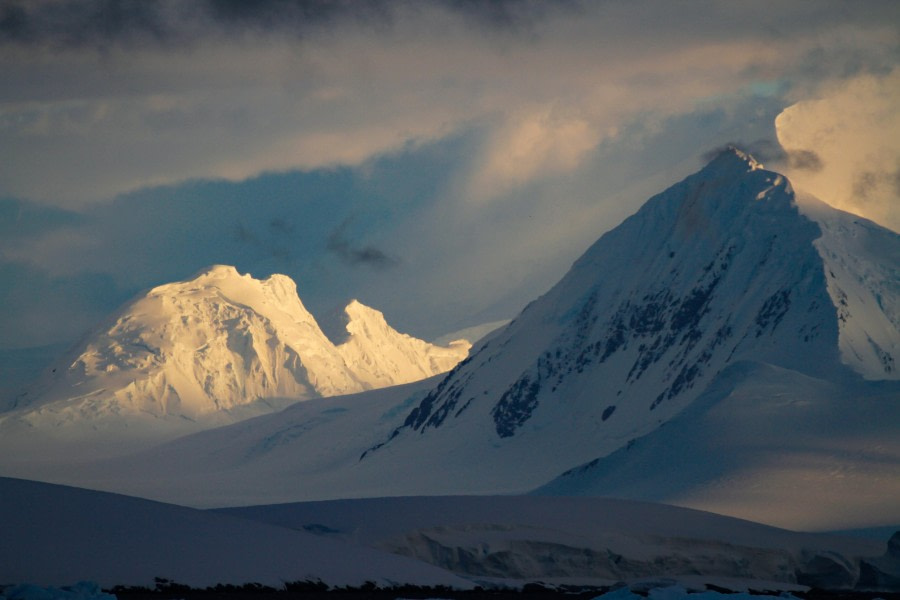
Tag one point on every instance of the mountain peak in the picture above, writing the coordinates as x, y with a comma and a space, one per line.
732, 159
356, 310
718, 269
216, 271
219, 348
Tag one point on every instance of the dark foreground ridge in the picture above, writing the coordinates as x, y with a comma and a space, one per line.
310, 590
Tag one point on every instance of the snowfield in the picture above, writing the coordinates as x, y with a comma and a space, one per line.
565, 539
54, 535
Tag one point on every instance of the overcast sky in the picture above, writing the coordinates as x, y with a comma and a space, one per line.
444, 162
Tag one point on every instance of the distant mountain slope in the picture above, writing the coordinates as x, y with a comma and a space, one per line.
213, 350
768, 444
55, 535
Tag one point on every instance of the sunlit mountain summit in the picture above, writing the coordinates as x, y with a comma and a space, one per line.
213, 350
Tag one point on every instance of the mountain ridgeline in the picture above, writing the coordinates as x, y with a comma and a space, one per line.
722, 267
729, 347
215, 349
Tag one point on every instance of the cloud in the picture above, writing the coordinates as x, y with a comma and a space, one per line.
848, 147
101, 98
366, 255
41, 309
805, 160
76, 24
486, 143
531, 144
106, 25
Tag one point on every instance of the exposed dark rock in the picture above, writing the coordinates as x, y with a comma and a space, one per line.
515, 406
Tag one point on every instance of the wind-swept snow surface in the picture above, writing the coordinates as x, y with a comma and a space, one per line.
54, 535
214, 350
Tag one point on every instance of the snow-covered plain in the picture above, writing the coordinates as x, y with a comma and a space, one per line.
586, 540
54, 535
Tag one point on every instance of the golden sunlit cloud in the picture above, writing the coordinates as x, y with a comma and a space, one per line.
531, 144
844, 147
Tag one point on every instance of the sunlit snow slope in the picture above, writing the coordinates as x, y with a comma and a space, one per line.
214, 350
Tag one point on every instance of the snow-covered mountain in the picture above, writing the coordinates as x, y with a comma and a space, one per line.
213, 350
722, 267
54, 535
726, 348
767, 444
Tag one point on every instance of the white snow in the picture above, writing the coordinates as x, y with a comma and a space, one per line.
210, 351
55, 535
862, 264
380, 356
766, 444
558, 539
695, 354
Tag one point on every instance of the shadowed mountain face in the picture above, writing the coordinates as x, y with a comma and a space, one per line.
720, 268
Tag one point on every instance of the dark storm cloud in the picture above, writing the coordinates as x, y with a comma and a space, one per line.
128, 23
101, 24
354, 255
295, 16
97, 23
508, 15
